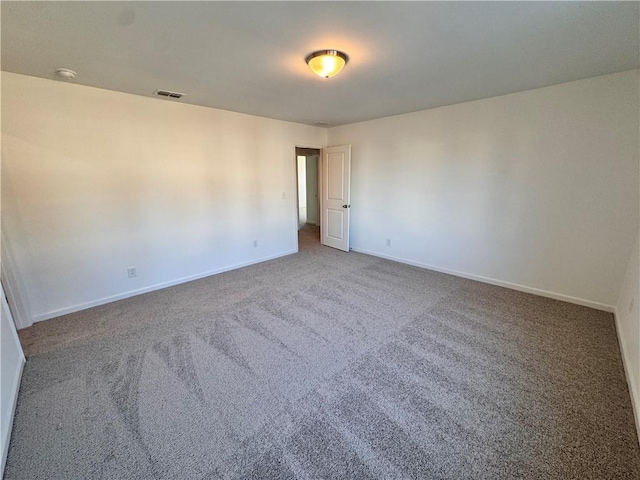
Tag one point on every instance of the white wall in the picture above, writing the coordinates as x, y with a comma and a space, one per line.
95, 181
11, 363
313, 208
536, 190
302, 191
628, 326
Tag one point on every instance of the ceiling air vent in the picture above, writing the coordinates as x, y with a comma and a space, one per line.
167, 93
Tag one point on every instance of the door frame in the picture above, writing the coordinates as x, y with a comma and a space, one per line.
11, 284
295, 178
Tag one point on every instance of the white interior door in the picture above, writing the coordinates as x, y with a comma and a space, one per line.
336, 196
10, 373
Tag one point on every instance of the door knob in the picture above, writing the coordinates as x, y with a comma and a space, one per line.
346, 206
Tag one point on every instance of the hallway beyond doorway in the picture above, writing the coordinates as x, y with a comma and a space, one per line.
308, 237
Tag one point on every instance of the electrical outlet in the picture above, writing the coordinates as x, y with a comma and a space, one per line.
255, 243
388, 242
131, 272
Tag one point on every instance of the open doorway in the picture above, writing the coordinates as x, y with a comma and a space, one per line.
307, 164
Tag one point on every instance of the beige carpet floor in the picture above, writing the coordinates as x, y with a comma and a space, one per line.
325, 364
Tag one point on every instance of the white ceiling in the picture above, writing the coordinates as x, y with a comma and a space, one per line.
249, 56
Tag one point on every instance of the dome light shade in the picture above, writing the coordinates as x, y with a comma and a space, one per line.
327, 63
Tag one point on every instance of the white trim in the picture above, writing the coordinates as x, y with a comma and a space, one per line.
6, 435
17, 307
634, 389
158, 286
493, 281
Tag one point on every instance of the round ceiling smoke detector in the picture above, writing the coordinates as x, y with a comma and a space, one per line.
66, 73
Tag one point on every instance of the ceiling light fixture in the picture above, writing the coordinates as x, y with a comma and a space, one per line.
66, 73
327, 63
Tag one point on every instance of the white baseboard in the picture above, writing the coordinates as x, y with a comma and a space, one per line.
634, 388
131, 293
493, 281
6, 435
